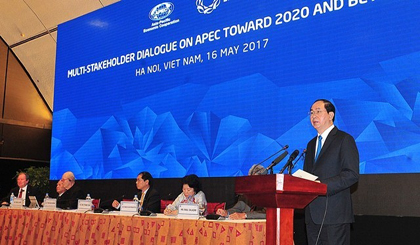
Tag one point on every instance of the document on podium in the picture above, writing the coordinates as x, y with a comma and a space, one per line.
304, 175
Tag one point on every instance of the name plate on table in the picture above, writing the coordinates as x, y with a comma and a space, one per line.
18, 203
50, 204
84, 205
129, 207
188, 210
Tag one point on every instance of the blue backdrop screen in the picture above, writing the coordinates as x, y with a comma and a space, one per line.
211, 88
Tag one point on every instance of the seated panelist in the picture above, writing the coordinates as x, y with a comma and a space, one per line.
59, 188
149, 198
244, 209
22, 190
191, 193
68, 192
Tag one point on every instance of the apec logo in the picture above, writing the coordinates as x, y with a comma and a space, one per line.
161, 11
203, 9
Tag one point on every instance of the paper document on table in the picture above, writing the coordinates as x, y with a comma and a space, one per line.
304, 175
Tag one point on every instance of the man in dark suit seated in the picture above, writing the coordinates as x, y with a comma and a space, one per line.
149, 197
23, 190
72, 192
332, 156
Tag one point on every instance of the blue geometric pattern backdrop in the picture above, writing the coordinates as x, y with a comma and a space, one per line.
182, 87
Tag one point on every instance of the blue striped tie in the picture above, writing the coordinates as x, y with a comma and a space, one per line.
318, 150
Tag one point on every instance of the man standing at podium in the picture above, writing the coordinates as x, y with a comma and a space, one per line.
332, 156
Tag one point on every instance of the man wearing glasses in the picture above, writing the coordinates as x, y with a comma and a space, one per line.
332, 156
68, 198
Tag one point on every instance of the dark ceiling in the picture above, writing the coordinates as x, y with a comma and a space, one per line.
29, 27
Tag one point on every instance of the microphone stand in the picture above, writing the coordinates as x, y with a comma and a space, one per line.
292, 165
285, 166
270, 170
276, 161
282, 149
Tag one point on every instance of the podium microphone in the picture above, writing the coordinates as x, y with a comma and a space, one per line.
291, 166
290, 161
282, 149
276, 161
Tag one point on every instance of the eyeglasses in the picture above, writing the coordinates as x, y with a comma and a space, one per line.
315, 112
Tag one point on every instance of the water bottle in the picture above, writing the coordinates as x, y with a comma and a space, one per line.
92, 207
136, 200
12, 198
46, 197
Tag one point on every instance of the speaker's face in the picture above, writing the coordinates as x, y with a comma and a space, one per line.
320, 118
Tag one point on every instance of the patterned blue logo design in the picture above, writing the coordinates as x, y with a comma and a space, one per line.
161, 11
203, 142
203, 9
112, 124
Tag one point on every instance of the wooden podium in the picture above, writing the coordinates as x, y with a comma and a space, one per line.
280, 195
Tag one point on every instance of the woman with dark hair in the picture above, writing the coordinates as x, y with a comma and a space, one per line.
191, 193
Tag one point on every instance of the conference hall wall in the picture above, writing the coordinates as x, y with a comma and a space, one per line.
25, 121
211, 88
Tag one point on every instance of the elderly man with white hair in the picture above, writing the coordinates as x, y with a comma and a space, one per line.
68, 198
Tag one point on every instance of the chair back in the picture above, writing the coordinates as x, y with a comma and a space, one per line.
164, 204
212, 207
96, 203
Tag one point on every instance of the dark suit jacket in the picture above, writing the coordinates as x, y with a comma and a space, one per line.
69, 198
151, 201
30, 191
244, 205
338, 167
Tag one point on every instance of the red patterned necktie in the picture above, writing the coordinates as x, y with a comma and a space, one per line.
20, 193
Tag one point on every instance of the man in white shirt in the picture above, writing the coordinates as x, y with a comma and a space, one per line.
23, 190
